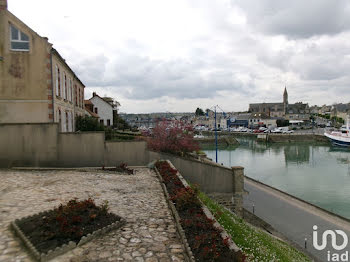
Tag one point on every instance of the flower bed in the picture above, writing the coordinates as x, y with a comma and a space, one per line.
54, 232
205, 239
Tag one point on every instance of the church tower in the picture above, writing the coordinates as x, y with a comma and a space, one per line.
285, 100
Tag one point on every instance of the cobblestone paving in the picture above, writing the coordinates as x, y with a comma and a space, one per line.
149, 234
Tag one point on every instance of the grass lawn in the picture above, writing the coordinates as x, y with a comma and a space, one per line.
256, 244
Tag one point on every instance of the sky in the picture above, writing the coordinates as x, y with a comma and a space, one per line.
162, 55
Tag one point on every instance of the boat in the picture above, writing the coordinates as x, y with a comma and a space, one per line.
340, 137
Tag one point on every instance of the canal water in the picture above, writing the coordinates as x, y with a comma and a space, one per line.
319, 174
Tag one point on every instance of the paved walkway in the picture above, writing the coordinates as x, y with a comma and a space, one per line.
149, 234
293, 218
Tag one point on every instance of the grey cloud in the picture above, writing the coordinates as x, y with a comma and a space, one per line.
139, 77
91, 70
297, 18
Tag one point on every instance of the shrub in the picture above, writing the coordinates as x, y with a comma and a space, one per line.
88, 123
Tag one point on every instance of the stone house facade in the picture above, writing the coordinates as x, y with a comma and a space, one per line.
36, 83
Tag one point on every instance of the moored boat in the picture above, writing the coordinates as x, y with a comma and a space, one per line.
341, 137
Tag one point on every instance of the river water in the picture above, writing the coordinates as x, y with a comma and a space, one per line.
319, 174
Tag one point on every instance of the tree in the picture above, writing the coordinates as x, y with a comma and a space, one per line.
173, 137
199, 112
282, 122
119, 122
88, 123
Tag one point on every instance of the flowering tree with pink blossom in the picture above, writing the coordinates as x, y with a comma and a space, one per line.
172, 137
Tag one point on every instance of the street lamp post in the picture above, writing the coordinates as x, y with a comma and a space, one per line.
216, 140
216, 132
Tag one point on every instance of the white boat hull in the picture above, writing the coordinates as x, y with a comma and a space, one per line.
339, 139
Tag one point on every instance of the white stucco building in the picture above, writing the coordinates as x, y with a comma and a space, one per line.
103, 109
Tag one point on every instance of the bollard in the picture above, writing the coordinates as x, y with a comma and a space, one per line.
253, 209
305, 243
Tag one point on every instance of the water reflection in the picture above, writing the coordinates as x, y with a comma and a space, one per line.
297, 154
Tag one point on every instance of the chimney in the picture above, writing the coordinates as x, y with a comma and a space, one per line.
3, 4
94, 94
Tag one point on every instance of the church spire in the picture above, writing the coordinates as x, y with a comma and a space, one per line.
285, 96
285, 100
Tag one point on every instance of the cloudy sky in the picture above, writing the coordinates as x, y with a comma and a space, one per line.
162, 55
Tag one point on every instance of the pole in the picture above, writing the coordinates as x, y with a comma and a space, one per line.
216, 140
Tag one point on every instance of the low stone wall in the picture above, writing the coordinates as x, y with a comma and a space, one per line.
133, 153
42, 145
28, 144
82, 149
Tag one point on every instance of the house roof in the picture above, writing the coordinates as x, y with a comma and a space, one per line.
54, 51
96, 95
91, 113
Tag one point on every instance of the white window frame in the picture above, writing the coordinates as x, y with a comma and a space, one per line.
19, 39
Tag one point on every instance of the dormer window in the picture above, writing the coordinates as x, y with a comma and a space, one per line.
19, 40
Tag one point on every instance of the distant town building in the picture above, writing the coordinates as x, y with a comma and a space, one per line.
36, 83
297, 111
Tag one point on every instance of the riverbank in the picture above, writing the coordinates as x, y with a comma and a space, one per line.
271, 137
222, 141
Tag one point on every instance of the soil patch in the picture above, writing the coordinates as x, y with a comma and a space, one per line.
66, 223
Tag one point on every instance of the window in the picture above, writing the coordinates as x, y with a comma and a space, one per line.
67, 123
101, 121
96, 110
109, 122
19, 40
57, 73
76, 95
58, 81
60, 119
71, 90
64, 85
82, 98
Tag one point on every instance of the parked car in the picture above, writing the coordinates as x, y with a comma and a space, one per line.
276, 130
